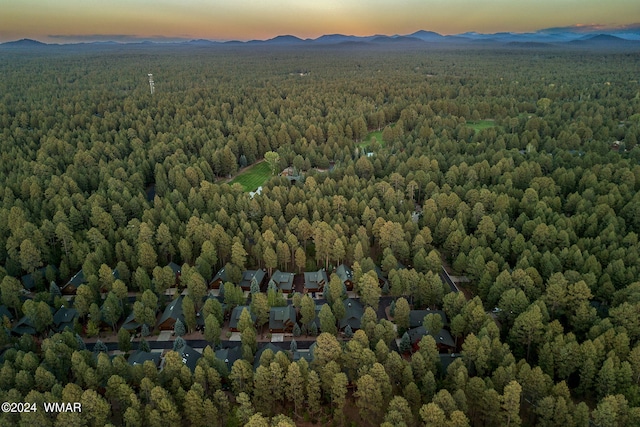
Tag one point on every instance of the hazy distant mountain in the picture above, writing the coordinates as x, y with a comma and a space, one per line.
340, 38
26, 43
603, 40
281, 40
201, 42
575, 35
428, 36
396, 39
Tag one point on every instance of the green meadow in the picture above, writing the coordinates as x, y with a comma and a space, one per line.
253, 177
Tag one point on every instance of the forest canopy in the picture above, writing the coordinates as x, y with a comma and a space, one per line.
519, 169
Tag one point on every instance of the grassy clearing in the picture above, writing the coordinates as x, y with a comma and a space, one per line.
253, 177
367, 140
479, 125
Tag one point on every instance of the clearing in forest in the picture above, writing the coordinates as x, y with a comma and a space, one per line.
367, 139
253, 177
479, 125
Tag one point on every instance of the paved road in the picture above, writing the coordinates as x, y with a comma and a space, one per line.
446, 279
165, 345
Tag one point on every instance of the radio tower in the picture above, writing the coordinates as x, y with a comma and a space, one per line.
151, 83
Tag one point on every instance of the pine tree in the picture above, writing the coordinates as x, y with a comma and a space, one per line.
178, 328
405, 343
348, 332
124, 340
296, 330
314, 405
294, 382
339, 396
100, 347
369, 399
212, 329
144, 346
178, 344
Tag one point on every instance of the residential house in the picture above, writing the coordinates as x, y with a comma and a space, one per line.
171, 314
64, 318
176, 270
446, 360
353, 314
235, 317
417, 316
382, 280
23, 326
130, 323
72, 285
189, 356
219, 279
346, 276
29, 281
200, 318
444, 340
139, 357
229, 356
4, 312
282, 319
304, 354
250, 276
283, 281
269, 346
315, 281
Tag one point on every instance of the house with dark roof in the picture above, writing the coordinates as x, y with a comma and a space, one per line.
176, 270
130, 323
229, 356
446, 360
171, 314
282, 281
382, 280
282, 319
269, 346
416, 317
23, 326
64, 318
315, 281
189, 356
444, 340
200, 318
316, 319
72, 285
235, 317
249, 276
346, 276
219, 279
304, 354
353, 314
4, 312
139, 357
29, 281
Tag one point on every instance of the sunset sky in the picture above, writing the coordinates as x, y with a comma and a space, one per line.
122, 20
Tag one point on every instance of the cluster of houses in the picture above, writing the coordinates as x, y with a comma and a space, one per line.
281, 319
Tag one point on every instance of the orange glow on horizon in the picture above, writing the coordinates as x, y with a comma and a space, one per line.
253, 19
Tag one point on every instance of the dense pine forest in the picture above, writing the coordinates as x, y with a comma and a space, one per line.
512, 172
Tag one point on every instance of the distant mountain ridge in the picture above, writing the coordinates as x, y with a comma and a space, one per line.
576, 36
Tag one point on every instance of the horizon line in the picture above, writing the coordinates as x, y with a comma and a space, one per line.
69, 39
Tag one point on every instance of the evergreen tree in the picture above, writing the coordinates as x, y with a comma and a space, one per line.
178, 328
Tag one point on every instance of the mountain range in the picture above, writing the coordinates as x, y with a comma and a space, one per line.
573, 36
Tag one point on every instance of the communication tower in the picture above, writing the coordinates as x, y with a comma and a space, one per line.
151, 86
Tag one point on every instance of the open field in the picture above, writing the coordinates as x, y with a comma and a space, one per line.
253, 177
367, 140
481, 124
